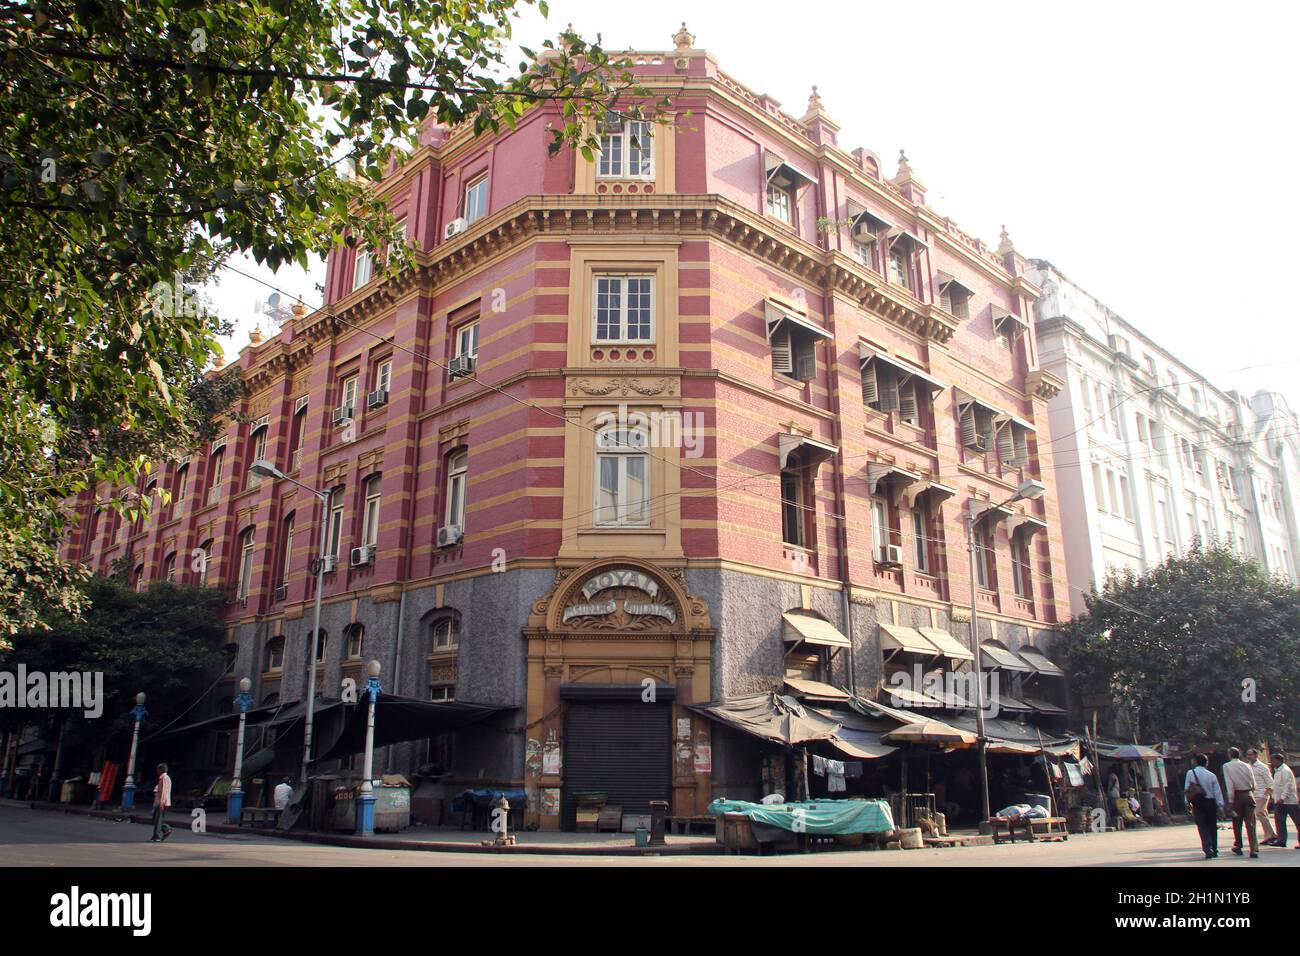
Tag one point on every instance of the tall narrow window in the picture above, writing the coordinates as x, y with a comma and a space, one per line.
779, 203
983, 556
335, 522
622, 477
879, 527
204, 562
322, 645
245, 564
626, 150
257, 453
920, 539
273, 659
370, 516
900, 266
476, 199
181, 489
216, 472
286, 558
356, 638
457, 467
350, 393
169, 568
296, 436
623, 308
384, 376
467, 340
1021, 565
792, 507
362, 268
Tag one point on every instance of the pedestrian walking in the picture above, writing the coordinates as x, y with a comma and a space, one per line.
1201, 788
1240, 783
1285, 802
162, 799
1263, 796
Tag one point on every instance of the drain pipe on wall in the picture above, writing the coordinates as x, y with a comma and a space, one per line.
397, 663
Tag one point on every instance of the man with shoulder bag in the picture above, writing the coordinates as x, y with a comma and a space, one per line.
1201, 788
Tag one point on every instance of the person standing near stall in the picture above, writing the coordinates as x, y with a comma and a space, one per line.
1201, 789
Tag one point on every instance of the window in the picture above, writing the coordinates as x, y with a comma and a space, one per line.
231, 652
273, 658
794, 352
476, 199
444, 693
457, 468
623, 308
1114, 496
169, 568
627, 151
1144, 433
286, 557
362, 268
1013, 444
1114, 413
138, 574
900, 266
467, 340
350, 393
384, 376
978, 426
370, 513
920, 540
887, 388
1099, 489
1125, 502
1150, 363
984, 556
1022, 569
182, 488
879, 527
245, 564
622, 477
955, 299
205, 562
792, 507
296, 436
356, 640
258, 453
864, 250
335, 521
322, 645
444, 634
779, 203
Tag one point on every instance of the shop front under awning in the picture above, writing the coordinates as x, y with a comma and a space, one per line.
1039, 662
994, 655
811, 629
399, 719
772, 717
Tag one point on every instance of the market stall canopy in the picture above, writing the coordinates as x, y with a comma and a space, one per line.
994, 655
948, 645
274, 714
771, 717
811, 629
1044, 707
815, 690
1011, 704
399, 719
934, 732
880, 710
1016, 737
860, 744
897, 637
1117, 751
907, 697
1039, 662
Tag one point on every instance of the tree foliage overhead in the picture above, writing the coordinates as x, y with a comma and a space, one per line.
1204, 648
142, 142
165, 641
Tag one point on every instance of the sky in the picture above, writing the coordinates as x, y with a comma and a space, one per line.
1136, 145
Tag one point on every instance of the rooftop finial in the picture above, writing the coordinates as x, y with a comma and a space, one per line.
255, 337
1006, 245
683, 38
814, 101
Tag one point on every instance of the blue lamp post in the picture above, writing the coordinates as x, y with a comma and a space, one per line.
235, 801
366, 798
128, 788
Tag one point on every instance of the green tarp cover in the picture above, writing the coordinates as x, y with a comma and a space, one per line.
835, 817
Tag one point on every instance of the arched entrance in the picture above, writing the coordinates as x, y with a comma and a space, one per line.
615, 652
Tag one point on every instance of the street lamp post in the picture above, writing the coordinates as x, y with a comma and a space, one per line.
235, 802
1027, 489
128, 788
265, 469
366, 798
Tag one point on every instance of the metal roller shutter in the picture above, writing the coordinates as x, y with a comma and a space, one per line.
620, 748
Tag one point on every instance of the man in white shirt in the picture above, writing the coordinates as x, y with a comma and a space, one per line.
1205, 807
283, 794
162, 799
1285, 802
1263, 794
1240, 784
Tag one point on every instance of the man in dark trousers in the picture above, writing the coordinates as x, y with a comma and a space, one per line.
162, 799
1205, 800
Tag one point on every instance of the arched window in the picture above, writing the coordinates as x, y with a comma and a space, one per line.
138, 574
444, 632
216, 473
270, 700
457, 470
257, 453
180, 488
245, 563
169, 568
370, 514
273, 658
622, 477
322, 645
204, 561
356, 640
286, 550
231, 652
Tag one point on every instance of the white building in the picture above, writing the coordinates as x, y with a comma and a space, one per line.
1149, 455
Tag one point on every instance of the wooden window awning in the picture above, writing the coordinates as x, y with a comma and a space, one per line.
783, 174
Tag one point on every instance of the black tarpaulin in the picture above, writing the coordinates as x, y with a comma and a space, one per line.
399, 719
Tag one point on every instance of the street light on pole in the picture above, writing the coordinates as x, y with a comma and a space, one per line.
1028, 489
128, 788
235, 801
265, 469
366, 798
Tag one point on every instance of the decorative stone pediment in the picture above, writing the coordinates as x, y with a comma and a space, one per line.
620, 597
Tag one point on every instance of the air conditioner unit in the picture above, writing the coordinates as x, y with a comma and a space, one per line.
376, 398
341, 414
454, 227
452, 534
891, 554
281, 592
363, 555
462, 365
329, 563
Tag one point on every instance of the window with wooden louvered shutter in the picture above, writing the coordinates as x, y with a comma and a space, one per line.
907, 403
782, 357
968, 434
1021, 439
805, 357
870, 392
1006, 444
888, 384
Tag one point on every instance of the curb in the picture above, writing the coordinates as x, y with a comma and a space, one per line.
383, 843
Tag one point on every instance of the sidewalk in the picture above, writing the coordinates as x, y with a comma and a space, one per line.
437, 839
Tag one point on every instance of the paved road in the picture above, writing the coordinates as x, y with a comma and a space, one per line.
42, 838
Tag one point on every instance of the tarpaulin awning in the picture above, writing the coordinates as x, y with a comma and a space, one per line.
811, 629
934, 732
903, 696
273, 713
861, 744
1005, 701
399, 719
1039, 662
879, 709
814, 816
896, 637
771, 717
815, 690
996, 655
948, 645
1044, 706
1113, 750
999, 732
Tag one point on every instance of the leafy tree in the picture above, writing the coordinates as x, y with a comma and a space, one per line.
1204, 648
142, 142
165, 641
